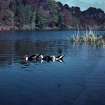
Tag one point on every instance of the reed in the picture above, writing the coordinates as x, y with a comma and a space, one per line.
89, 37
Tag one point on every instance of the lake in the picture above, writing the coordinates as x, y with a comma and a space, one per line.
79, 80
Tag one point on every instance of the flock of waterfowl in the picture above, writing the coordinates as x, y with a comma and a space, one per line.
89, 37
41, 58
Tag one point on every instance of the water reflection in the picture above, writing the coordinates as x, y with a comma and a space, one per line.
11, 51
14, 51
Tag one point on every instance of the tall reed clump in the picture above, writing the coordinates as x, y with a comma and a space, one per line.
89, 37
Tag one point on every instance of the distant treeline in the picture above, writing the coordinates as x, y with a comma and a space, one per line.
47, 15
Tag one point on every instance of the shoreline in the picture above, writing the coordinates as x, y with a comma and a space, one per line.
52, 30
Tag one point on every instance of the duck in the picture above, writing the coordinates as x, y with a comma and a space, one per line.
58, 58
47, 58
30, 58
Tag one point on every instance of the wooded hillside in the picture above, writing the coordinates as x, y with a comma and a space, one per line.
47, 15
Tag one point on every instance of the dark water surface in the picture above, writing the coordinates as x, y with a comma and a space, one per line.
79, 80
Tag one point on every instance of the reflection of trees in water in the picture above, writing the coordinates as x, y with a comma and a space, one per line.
12, 51
9, 50
6, 52
48, 47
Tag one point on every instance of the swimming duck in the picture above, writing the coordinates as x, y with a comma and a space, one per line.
30, 58
47, 58
58, 58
